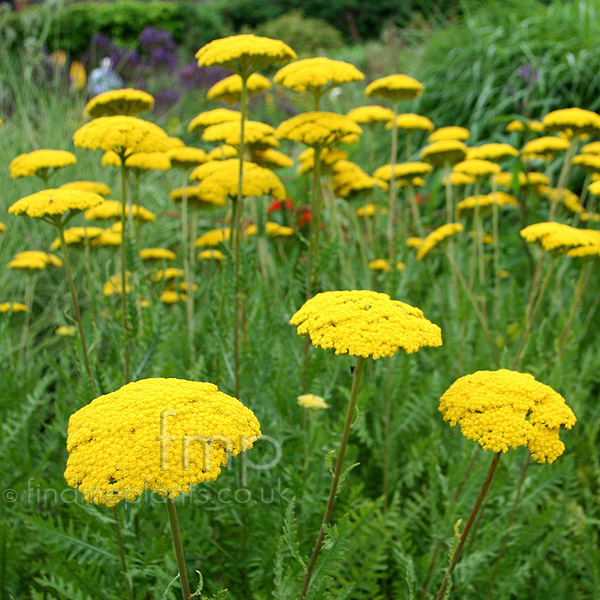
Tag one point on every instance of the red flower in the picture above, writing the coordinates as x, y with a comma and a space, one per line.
278, 205
304, 218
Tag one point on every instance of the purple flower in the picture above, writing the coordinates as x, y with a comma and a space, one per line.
165, 99
193, 77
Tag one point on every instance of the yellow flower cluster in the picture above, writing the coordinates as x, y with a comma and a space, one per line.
50, 203
379, 264
395, 87
370, 114
214, 237
34, 260
212, 117
39, 161
546, 147
273, 230
370, 210
444, 152
230, 89
572, 121
523, 179
453, 132
223, 152
411, 122
112, 209
349, 178
318, 129
534, 126
272, 159
87, 186
436, 237
256, 134
455, 179
119, 102
172, 297
485, 203
211, 255
187, 157
316, 74
558, 237
114, 287
589, 162
312, 401
494, 152
65, 331
569, 199
197, 197
14, 307
121, 134
364, 323
112, 236
506, 409
406, 170
150, 161
2, 227
327, 158
156, 254
159, 434
477, 168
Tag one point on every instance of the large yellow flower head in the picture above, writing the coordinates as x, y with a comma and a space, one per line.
589, 162
484, 203
327, 157
197, 198
316, 75
411, 122
119, 102
365, 323
494, 152
15, 307
370, 114
403, 170
149, 161
572, 121
556, 237
444, 152
112, 209
77, 235
212, 117
318, 129
395, 87
52, 203
187, 157
523, 179
34, 260
87, 186
450, 133
159, 434
121, 134
477, 168
591, 148
546, 146
244, 54
230, 89
272, 159
39, 162
506, 409
156, 254
256, 134
436, 237
214, 237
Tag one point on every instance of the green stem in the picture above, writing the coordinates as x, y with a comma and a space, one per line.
564, 174
124, 269
185, 236
392, 209
174, 522
360, 363
496, 242
126, 574
463, 536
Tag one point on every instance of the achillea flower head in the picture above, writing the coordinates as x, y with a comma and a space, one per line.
457, 179
485, 203
444, 152
370, 210
477, 168
591, 148
112, 236
523, 179
52, 203
568, 199
159, 434
572, 121
312, 402
506, 409
395, 87
197, 198
119, 102
113, 287
244, 54
230, 89
211, 255
316, 75
170, 273
494, 152
112, 209
187, 157
379, 264
2, 228
222, 152
213, 117
585, 251
39, 162
556, 237
364, 323
349, 182
214, 237
414, 242
411, 122
436, 237
34, 260
327, 157
594, 188
272, 159
515, 126
371, 113
546, 146
121, 134
149, 161
95, 187
156, 254
403, 170
256, 134
14, 307
589, 162
318, 129
274, 230
452, 132
172, 297
65, 331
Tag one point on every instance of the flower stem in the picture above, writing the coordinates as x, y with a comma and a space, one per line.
189, 284
126, 573
124, 269
463, 536
392, 210
75, 303
360, 363
174, 522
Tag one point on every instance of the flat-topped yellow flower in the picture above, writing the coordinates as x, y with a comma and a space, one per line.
494, 151
411, 122
223, 152
119, 102
589, 162
159, 434
312, 402
556, 237
370, 210
477, 168
327, 157
316, 75
403, 170
522, 179
150, 161
203, 171
197, 197
34, 260
2, 227
484, 203
172, 297
506, 409
213, 117
452, 132
53, 203
515, 125
112, 236
113, 287
256, 134
170, 273
456, 179
230, 89
395, 87
40, 162
87, 186
14, 307
111, 209
244, 54
547, 146
572, 121
318, 129
187, 157
156, 254
214, 237
436, 237
77, 235
65, 331
414, 242
121, 134
444, 152
211, 255
365, 323
350, 181
591, 148
274, 230
272, 159
370, 114
380, 264
569, 199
